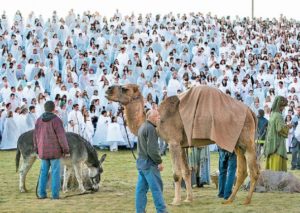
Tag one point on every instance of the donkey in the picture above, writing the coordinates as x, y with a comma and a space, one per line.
81, 152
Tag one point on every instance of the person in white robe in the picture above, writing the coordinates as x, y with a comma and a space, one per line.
28, 70
88, 128
31, 118
75, 120
5, 93
99, 138
114, 135
28, 92
21, 120
174, 85
9, 137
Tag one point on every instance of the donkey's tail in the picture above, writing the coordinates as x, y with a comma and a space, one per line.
18, 155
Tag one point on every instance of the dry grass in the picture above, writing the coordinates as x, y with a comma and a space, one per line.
117, 192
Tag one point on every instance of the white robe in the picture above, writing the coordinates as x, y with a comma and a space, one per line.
28, 71
88, 131
31, 119
9, 137
39, 109
100, 135
77, 119
114, 136
21, 121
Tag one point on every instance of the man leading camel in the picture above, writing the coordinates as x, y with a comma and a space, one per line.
149, 165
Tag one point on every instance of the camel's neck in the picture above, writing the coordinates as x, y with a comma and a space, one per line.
135, 115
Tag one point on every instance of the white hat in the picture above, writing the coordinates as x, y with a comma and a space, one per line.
29, 84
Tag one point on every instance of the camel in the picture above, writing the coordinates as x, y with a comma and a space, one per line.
171, 129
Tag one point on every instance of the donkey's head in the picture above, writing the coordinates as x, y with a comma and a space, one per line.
95, 173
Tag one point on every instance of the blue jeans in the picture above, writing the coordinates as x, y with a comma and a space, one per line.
227, 168
55, 178
149, 178
295, 155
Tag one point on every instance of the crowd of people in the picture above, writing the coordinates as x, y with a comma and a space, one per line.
73, 60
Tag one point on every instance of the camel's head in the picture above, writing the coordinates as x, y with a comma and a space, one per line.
123, 94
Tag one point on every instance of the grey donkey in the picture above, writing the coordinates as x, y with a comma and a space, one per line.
82, 152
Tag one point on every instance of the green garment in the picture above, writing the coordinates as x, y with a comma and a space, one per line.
277, 132
276, 163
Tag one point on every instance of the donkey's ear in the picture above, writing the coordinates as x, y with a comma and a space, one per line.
102, 159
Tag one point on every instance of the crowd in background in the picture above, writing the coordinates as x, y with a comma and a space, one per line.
73, 60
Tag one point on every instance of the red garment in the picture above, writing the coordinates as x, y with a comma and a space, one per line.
49, 138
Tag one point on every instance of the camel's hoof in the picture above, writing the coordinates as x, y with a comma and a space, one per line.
247, 201
65, 191
226, 202
188, 200
175, 203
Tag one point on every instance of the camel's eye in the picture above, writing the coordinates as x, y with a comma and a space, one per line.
124, 90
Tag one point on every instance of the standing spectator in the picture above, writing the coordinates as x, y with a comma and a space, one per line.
114, 134
31, 118
149, 165
262, 125
51, 144
9, 137
227, 169
75, 120
99, 138
275, 149
296, 141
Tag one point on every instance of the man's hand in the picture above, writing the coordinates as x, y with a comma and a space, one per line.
160, 167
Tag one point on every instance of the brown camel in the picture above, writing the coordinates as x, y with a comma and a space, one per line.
171, 129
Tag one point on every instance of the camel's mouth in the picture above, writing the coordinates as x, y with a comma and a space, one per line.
108, 94
109, 97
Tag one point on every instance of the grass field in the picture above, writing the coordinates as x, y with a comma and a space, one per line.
117, 188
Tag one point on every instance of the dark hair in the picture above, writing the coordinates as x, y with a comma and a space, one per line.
49, 106
31, 108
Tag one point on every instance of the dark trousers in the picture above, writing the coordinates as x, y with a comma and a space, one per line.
296, 156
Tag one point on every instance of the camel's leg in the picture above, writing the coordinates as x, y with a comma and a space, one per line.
186, 174
26, 165
67, 174
175, 156
78, 174
253, 170
241, 174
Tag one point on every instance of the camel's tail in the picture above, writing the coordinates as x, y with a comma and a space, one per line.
18, 155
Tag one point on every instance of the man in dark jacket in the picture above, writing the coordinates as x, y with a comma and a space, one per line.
51, 144
149, 165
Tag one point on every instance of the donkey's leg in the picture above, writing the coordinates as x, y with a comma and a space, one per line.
175, 156
78, 174
186, 174
241, 174
26, 165
67, 173
253, 170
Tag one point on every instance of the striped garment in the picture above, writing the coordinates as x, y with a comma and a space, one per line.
49, 138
